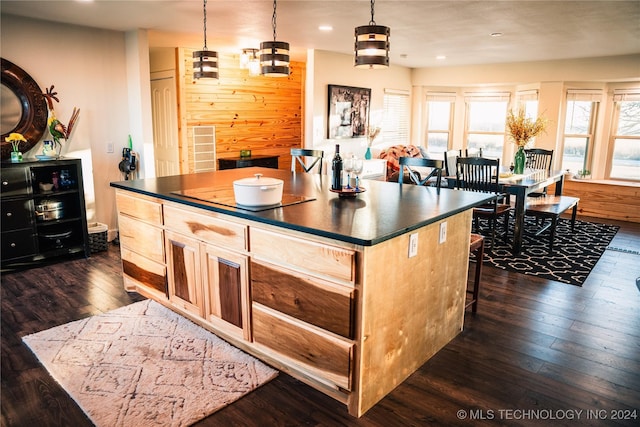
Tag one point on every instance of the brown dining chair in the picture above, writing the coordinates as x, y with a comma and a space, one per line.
307, 159
481, 174
539, 158
414, 176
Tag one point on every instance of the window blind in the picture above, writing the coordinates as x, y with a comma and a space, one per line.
527, 95
593, 95
626, 95
395, 127
441, 96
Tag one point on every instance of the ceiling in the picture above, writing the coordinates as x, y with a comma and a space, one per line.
420, 29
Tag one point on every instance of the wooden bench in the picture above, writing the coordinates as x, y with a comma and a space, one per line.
552, 207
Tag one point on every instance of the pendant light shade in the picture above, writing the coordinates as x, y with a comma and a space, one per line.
249, 60
372, 44
205, 61
274, 55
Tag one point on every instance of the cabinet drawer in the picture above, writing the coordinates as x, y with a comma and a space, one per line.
322, 354
17, 214
142, 238
206, 228
314, 301
16, 244
145, 272
139, 206
310, 256
15, 181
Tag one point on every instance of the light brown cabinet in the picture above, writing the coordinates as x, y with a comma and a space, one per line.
141, 234
184, 273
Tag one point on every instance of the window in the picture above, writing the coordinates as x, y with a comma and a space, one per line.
395, 127
439, 123
579, 127
625, 136
528, 99
486, 121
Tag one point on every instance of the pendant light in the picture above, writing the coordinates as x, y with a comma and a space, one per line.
274, 55
249, 61
205, 62
372, 44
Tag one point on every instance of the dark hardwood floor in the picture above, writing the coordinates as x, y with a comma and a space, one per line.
536, 353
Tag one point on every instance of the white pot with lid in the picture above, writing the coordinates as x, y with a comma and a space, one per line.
258, 191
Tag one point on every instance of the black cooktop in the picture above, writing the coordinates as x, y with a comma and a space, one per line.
225, 197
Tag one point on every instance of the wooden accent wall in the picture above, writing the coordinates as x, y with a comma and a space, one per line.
605, 199
261, 114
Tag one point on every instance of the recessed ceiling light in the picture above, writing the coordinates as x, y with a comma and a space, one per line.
325, 28
441, 57
496, 34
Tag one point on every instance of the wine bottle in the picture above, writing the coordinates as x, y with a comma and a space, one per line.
336, 182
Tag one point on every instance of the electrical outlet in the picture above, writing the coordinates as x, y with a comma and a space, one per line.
109, 147
443, 232
413, 245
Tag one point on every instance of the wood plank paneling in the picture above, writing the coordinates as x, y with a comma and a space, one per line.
261, 114
604, 199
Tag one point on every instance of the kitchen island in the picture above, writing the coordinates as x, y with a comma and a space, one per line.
350, 295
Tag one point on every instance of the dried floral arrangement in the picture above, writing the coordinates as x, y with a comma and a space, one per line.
522, 128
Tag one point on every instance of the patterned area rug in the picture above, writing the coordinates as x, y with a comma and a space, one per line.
144, 365
574, 254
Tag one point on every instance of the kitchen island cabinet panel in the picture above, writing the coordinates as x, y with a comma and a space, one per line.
142, 275
322, 355
311, 300
140, 237
226, 290
183, 270
138, 206
206, 227
306, 255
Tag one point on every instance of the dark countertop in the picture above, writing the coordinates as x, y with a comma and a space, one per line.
385, 210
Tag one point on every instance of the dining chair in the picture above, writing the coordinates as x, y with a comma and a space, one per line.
538, 158
299, 155
414, 176
481, 174
473, 152
450, 157
552, 207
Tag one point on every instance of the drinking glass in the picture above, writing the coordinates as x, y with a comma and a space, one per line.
358, 165
348, 168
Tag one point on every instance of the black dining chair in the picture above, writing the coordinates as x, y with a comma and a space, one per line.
538, 158
414, 176
481, 174
308, 159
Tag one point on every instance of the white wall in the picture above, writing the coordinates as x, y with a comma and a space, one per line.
89, 70
325, 68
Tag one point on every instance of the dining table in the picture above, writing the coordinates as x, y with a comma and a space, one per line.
521, 186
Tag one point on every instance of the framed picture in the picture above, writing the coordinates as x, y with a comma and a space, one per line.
348, 115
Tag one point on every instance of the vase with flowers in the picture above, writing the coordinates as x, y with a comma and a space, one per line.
371, 135
15, 139
521, 130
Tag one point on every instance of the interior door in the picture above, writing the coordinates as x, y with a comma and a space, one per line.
164, 107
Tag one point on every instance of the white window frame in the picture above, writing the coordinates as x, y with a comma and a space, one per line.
619, 95
485, 97
595, 97
449, 97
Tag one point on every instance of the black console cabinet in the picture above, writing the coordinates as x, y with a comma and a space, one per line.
246, 162
31, 235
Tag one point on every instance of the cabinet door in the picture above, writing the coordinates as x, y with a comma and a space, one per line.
226, 290
183, 269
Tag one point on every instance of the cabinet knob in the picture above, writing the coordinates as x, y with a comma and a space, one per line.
9, 214
5, 183
13, 245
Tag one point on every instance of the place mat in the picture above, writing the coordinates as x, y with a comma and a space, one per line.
574, 253
144, 365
